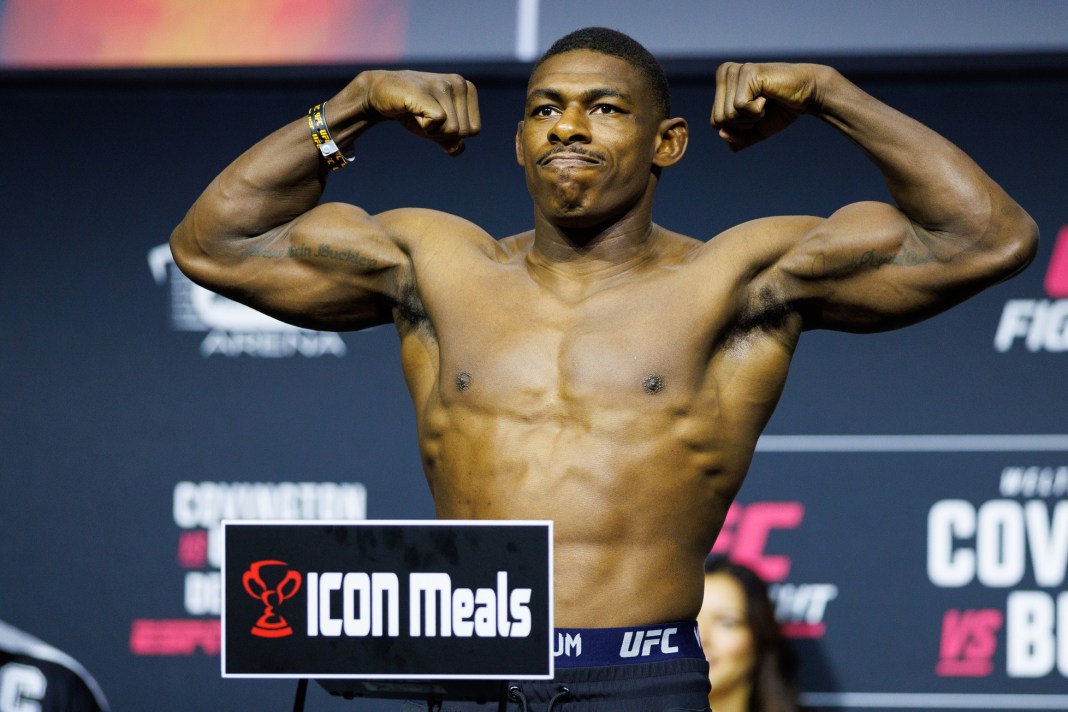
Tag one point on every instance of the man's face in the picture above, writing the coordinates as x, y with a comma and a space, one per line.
588, 138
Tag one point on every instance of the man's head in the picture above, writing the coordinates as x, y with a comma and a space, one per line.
595, 133
617, 44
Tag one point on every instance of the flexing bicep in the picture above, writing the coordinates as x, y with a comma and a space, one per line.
869, 268
333, 267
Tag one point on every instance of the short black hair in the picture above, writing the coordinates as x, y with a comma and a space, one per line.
617, 44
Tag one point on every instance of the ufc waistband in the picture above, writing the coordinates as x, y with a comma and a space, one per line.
598, 647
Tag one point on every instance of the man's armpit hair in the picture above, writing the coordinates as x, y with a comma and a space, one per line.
410, 310
768, 311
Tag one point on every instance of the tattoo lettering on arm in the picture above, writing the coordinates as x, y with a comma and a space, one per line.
328, 252
323, 252
266, 253
870, 260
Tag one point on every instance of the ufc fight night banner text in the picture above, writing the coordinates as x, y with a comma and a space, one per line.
387, 600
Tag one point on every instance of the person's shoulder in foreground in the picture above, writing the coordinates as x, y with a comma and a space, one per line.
37, 676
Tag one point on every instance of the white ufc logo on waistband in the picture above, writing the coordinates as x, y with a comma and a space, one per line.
642, 642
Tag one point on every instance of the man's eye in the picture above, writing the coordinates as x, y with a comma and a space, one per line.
606, 109
542, 111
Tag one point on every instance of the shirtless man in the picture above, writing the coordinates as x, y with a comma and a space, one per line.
599, 370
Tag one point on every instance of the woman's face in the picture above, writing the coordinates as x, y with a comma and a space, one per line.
725, 635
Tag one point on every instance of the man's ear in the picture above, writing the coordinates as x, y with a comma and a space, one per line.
672, 137
519, 156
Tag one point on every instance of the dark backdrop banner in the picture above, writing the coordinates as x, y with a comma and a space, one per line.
909, 501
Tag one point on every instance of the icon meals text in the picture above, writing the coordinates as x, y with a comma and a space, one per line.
370, 606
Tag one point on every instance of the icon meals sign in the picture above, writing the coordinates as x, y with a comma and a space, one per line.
387, 600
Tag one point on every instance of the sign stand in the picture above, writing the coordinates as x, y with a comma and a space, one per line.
302, 692
434, 693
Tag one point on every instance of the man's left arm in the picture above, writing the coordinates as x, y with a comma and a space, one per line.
873, 266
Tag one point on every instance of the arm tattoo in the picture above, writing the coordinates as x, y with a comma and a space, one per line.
266, 253
327, 252
870, 260
324, 252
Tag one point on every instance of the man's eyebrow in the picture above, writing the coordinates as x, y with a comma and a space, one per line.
587, 96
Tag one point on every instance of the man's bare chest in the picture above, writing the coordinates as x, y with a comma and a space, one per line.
508, 337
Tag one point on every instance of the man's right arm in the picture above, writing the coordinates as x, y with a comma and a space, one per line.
259, 235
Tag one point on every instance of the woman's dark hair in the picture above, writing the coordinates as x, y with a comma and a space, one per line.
774, 689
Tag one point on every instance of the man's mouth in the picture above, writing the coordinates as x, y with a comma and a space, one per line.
568, 159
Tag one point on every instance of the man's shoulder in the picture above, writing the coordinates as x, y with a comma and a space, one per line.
430, 221
428, 231
517, 244
56, 680
770, 227
760, 237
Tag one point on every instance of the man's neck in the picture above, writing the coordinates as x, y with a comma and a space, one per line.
575, 265
595, 250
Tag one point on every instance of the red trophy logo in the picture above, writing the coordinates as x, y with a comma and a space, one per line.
271, 624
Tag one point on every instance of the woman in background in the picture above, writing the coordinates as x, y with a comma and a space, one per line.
750, 664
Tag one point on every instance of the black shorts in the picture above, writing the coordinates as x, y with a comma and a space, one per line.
596, 670
679, 685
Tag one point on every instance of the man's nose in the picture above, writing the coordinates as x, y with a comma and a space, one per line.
573, 126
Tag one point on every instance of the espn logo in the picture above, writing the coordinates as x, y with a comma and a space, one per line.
1042, 324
